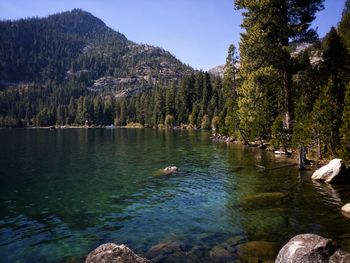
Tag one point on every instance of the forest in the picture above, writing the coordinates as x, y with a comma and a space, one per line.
283, 84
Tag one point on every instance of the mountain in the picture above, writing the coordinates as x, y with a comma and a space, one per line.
76, 47
217, 71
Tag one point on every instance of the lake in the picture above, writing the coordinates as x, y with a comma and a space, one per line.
64, 192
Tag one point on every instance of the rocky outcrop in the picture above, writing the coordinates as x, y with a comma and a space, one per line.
311, 248
112, 253
334, 172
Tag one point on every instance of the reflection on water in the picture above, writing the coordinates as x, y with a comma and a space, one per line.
65, 192
329, 193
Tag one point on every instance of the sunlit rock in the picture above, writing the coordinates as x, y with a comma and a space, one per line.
170, 169
334, 172
307, 248
346, 210
112, 253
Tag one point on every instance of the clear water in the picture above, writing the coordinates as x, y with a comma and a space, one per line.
65, 192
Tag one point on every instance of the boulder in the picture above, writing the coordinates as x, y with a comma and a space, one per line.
346, 208
307, 248
334, 172
170, 169
112, 253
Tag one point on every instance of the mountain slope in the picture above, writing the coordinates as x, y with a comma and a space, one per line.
77, 47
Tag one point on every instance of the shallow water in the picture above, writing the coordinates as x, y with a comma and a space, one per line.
65, 192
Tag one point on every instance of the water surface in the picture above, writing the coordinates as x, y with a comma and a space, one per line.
65, 192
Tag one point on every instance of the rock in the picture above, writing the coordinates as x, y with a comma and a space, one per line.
170, 169
346, 208
340, 256
258, 251
168, 252
307, 248
334, 172
112, 253
220, 253
268, 195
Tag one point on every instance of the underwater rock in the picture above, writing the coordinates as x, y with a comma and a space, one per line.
258, 251
112, 253
220, 254
168, 252
268, 195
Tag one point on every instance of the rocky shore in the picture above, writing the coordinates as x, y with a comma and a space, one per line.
304, 248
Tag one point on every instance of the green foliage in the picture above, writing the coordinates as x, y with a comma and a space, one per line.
324, 120
302, 129
280, 135
215, 122
205, 122
169, 121
345, 127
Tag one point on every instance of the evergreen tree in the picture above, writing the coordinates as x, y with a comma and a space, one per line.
270, 25
345, 127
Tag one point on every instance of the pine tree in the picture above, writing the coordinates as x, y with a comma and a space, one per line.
270, 26
345, 127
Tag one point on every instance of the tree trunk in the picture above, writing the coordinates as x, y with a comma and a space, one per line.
301, 159
319, 153
287, 102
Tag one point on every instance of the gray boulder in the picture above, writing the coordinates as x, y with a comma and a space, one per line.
334, 172
307, 248
112, 253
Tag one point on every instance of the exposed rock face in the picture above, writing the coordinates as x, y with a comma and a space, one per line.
112, 253
334, 172
217, 71
307, 248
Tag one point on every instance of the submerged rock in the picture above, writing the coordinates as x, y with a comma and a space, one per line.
220, 253
168, 252
334, 172
112, 253
307, 248
267, 195
258, 251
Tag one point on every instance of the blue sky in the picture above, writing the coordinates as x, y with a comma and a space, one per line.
198, 32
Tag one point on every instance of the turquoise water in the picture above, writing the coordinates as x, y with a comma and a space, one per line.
65, 192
